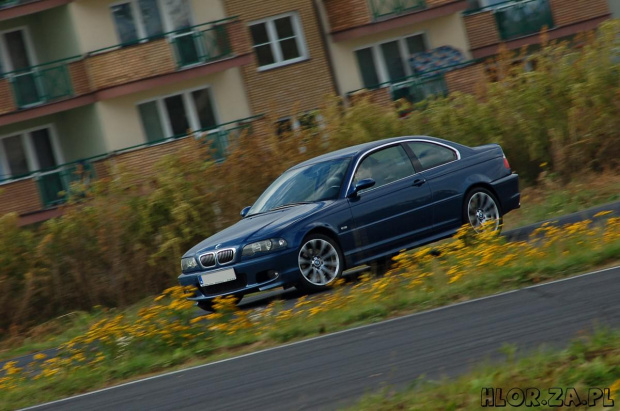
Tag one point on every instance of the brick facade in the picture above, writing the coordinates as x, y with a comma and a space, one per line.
7, 103
127, 64
566, 12
239, 38
481, 29
141, 162
380, 96
295, 87
345, 14
470, 79
79, 78
20, 196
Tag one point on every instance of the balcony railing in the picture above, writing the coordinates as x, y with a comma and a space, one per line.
523, 18
57, 184
385, 8
219, 136
197, 44
416, 89
41, 84
518, 18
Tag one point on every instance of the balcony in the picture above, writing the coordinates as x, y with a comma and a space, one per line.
46, 189
463, 77
42, 84
416, 89
167, 53
517, 22
519, 18
390, 8
523, 18
356, 18
10, 9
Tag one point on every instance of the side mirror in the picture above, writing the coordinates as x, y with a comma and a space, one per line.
361, 185
244, 212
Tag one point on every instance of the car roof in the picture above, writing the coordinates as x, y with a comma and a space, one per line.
361, 148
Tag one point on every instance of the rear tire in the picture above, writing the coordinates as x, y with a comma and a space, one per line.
320, 263
482, 211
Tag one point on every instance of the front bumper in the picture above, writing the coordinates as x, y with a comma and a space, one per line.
507, 189
255, 274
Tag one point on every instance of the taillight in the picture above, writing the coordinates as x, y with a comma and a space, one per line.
506, 163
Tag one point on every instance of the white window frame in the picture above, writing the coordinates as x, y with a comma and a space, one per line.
379, 61
192, 112
28, 144
138, 21
295, 123
276, 51
4, 54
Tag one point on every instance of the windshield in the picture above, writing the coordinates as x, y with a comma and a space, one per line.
315, 182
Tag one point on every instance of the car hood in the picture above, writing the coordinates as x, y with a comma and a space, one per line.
257, 227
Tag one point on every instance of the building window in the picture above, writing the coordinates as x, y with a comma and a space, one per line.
278, 41
26, 152
138, 19
16, 51
173, 116
388, 61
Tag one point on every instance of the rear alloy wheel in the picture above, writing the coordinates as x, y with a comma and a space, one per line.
320, 263
482, 211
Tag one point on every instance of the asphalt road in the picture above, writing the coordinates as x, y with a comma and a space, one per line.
334, 370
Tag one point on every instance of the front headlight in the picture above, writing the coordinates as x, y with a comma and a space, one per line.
188, 263
264, 246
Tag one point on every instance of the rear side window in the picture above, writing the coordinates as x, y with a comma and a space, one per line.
385, 166
432, 155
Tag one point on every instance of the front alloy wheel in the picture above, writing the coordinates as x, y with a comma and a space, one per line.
482, 211
320, 262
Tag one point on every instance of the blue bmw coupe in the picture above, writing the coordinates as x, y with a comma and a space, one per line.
351, 207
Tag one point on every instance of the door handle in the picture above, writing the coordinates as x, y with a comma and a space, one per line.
418, 182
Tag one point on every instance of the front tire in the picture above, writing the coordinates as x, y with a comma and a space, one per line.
482, 211
320, 263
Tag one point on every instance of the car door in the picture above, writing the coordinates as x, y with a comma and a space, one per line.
438, 164
395, 210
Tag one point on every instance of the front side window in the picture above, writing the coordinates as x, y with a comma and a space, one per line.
26, 152
385, 166
174, 115
388, 61
278, 41
432, 155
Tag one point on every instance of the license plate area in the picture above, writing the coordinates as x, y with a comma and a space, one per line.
217, 277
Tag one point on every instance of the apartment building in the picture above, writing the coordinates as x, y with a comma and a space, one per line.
84, 81
87, 84
394, 49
